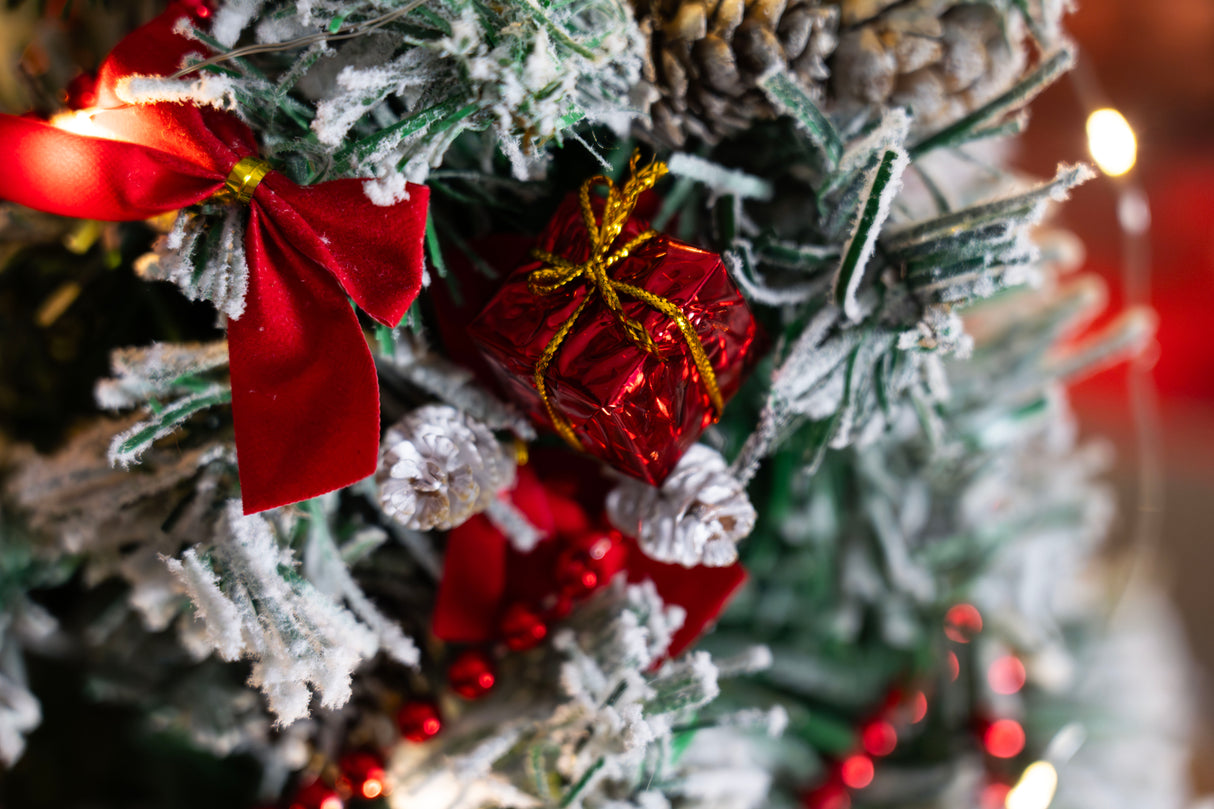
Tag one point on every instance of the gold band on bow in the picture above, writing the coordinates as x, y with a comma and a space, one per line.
243, 180
558, 271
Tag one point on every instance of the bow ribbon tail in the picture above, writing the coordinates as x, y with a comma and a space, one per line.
305, 395
305, 398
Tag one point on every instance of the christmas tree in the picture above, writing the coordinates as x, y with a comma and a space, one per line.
620, 405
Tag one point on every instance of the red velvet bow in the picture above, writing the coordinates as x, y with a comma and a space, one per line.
305, 397
483, 574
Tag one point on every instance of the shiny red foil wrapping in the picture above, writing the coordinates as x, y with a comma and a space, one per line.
636, 410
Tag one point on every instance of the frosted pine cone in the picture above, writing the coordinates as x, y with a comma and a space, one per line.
940, 58
697, 517
439, 467
706, 57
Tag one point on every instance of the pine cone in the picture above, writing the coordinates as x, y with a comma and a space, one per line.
697, 517
941, 58
439, 468
706, 56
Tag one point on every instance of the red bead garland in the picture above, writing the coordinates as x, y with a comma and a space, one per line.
316, 794
362, 775
419, 720
471, 674
522, 628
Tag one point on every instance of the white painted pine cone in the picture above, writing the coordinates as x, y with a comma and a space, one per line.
438, 467
697, 517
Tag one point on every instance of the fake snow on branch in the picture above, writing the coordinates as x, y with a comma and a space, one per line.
172, 382
252, 603
608, 730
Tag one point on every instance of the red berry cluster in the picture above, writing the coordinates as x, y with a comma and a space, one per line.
360, 778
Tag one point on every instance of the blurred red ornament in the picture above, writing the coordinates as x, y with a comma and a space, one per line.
582, 568
1006, 675
879, 737
362, 775
624, 341
918, 707
1004, 738
315, 794
522, 628
857, 771
419, 720
962, 622
472, 674
831, 795
954, 666
994, 796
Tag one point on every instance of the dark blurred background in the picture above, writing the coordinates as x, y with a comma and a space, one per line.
1155, 63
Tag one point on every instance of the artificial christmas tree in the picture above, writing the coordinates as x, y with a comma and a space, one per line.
863, 573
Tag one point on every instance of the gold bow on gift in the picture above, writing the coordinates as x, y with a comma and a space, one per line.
558, 271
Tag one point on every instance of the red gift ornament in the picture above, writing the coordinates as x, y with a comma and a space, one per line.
626, 342
305, 396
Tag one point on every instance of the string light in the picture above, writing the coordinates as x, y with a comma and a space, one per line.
1111, 142
1004, 738
373, 787
79, 122
1006, 675
962, 622
879, 738
1035, 789
857, 771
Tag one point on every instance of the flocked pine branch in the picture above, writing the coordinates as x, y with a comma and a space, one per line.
608, 729
253, 603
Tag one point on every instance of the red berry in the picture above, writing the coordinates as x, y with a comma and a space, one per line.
522, 628
419, 720
362, 775
879, 737
471, 675
577, 573
831, 795
315, 794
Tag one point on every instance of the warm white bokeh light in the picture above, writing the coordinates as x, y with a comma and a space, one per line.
1035, 789
1111, 142
79, 122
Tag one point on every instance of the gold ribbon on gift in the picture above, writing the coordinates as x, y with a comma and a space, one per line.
558, 272
243, 180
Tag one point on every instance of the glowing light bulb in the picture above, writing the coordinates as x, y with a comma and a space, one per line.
1004, 738
1111, 142
79, 122
857, 771
372, 788
879, 738
962, 622
1035, 789
1006, 675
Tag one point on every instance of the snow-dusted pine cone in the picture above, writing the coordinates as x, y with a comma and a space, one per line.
697, 517
705, 57
940, 58
438, 467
